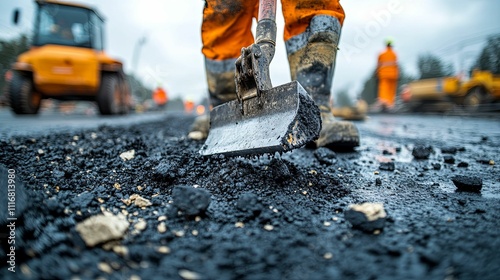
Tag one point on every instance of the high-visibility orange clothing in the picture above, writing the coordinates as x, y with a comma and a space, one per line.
188, 106
387, 92
387, 73
388, 65
226, 26
160, 96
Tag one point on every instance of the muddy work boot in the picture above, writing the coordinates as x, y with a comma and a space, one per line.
200, 127
221, 89
337, 134
312, 56
357, 112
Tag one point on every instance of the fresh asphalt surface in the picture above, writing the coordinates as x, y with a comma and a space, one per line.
265, 218
51, 122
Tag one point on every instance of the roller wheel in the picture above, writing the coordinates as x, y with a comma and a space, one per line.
474, 98
108, 98
24, 100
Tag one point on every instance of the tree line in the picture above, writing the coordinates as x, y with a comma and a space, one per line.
9, 50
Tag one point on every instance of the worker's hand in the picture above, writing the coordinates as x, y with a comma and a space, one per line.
244, 64
252, 71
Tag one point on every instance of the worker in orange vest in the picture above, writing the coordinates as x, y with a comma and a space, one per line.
387, 74
160, 96
311, 34
189, 105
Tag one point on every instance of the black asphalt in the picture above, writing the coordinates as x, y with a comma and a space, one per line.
270, 217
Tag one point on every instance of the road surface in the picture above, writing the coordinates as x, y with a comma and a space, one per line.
177, 215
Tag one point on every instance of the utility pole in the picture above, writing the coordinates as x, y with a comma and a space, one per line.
135, 56
135, 60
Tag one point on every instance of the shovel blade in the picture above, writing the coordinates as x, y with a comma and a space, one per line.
281, 119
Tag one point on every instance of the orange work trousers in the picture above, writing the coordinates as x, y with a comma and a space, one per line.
226, 26
387, 91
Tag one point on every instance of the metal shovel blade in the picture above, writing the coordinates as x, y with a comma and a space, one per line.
281, 119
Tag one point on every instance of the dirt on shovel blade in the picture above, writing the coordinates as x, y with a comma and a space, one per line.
282, 119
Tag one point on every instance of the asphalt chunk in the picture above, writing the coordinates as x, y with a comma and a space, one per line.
192, 201
449, 150
387, 166
449, 159
467, 183
249, 203
325, 156
436, 166
422, 152
83, 200
166, 170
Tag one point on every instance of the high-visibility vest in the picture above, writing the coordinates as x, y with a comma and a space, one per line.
387, 67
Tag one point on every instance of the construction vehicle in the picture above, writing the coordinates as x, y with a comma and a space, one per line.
67, 61
264, 119
482, 88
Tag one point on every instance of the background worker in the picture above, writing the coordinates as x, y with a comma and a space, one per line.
189, 105
311, 34
387, 74
160, 96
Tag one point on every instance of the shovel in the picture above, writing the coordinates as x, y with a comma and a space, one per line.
264, 119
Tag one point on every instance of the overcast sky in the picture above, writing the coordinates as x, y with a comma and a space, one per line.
453, 29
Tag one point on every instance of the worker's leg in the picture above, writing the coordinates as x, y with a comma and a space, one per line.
226, 28
387, 92
393, 84
312, 32
382, 92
